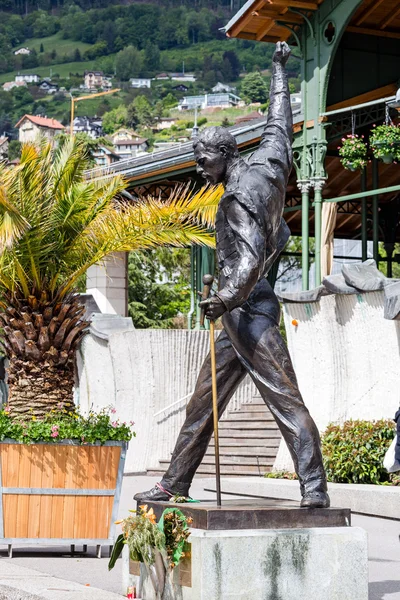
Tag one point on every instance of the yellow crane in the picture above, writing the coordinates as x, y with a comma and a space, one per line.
73, 100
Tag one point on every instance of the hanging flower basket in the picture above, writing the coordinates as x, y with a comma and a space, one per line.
385, 143
353, 152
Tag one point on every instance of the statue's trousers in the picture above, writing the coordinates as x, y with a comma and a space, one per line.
250, 343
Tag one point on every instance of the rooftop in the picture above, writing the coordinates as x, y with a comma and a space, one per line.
266, 21
42, 122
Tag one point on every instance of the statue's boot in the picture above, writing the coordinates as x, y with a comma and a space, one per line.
157, 494
315, 499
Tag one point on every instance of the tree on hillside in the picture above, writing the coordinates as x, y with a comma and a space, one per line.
233, 59
114, 119
143, 110
77, 55
254, 88
41, 48
128, 63
151, 57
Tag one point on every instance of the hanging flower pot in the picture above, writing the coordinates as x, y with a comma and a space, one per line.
385, 143
353, 152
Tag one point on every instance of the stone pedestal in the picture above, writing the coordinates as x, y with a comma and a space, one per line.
284, 563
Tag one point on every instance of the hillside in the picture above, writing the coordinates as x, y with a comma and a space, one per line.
140, 39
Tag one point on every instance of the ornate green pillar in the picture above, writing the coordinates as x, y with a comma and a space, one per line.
304, 187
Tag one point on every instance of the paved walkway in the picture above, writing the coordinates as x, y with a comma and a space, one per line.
53, 574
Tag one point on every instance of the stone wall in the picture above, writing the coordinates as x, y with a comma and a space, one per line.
346, 357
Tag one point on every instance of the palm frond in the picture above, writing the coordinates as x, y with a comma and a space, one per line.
55, 223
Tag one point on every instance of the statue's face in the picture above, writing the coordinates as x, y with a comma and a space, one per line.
211, 163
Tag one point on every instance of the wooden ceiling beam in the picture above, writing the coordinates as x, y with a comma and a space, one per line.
306, 5
369, 11
241, 24
286, 17
389, 18
375, 32
264, 29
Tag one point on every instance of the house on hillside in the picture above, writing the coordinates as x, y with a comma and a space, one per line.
223, 100
31, 128
165, 123
96, 79
181, 87
162, 76
222, 87
249, 117
9, 85
124, 134
105, 156
3, 147
25, 51
92, 126
140, 82
190, 77
130, 148
27, 77
49, 88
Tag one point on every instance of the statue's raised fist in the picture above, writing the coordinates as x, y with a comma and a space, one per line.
282, 53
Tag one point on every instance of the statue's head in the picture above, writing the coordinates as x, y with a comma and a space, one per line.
214, 150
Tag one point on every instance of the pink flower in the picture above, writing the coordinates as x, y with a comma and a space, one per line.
114, 424
113, 411
55, 428
54, 434
131, 423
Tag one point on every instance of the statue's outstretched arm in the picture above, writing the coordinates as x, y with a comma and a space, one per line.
276, 141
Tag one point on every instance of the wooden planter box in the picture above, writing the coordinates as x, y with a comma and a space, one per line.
60, 492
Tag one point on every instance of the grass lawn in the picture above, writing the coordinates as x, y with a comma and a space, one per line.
63, 70
55, 42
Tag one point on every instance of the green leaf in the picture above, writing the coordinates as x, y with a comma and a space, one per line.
116, 551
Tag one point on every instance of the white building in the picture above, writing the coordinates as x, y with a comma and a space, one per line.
9, 85
183, 77
165, 123
49, 88
31, 128
105, 156
130, 148
96, 80
140, 82
25, 51
223, 100
28, 78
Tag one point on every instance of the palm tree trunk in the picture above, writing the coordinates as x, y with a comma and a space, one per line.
38, 388
40, 340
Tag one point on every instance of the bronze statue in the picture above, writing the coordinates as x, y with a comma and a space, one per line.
250, 235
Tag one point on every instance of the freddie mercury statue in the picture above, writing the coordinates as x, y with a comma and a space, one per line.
250, 234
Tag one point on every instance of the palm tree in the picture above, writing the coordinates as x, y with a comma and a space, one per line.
55, 222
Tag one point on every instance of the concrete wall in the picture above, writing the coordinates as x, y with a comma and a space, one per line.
108, 284
141, 372
346, 357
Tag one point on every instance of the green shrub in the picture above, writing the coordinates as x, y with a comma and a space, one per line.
353, 452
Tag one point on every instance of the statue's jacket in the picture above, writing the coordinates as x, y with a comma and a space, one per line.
250, 230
